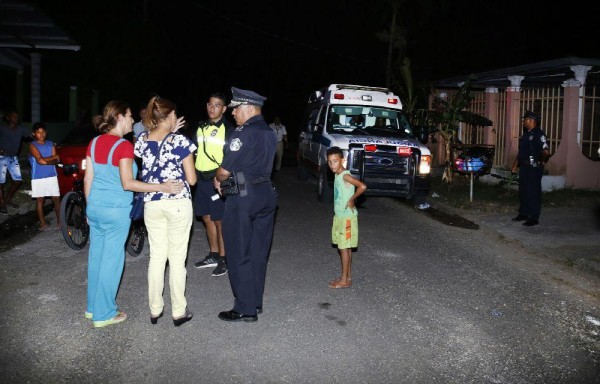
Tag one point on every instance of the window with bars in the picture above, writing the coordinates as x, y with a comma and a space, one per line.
590, 130
548, 103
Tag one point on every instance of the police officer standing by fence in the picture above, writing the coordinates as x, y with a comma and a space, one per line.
530, 161
244, 177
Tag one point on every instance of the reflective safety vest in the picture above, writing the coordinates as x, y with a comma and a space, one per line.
211, 140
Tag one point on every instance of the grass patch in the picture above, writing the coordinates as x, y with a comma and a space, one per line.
500, 198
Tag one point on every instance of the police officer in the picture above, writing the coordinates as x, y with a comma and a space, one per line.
249, 213
530, 161
211, 137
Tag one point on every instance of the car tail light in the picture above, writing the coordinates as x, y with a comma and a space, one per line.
392, 100
404, 151
338, 96
425, 166
370, 148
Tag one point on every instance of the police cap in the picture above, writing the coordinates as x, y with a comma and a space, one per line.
533, 116
242, 96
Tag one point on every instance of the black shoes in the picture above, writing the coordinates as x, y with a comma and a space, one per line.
531, 222
236, 316
208, 261
183, 319
520, 217
221, 268
258, 310
154, 319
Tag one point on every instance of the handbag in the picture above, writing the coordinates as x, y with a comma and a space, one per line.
137, 206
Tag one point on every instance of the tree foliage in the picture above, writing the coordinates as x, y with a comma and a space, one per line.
447, 114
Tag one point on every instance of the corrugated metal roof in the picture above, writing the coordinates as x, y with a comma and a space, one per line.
535, 74
23, 25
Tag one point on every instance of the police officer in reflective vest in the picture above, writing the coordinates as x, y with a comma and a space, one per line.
244, 177
530, 161
212, 135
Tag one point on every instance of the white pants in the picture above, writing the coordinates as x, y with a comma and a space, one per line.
168, 223
278, 156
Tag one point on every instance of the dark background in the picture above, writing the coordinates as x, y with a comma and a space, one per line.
185, 49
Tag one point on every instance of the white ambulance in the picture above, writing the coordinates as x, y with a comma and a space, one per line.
368, 124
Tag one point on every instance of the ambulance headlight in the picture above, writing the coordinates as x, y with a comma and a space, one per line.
425, 165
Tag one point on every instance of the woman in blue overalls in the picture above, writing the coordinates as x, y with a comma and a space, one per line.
108, 185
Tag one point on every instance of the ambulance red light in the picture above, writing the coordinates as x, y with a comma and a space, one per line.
404, 151
393, 100
338, 96
370, 148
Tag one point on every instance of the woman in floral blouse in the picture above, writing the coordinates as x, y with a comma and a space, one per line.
168, 217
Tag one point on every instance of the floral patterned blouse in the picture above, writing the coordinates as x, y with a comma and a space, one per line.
169, 165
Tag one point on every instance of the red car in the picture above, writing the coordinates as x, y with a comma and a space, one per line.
72, 156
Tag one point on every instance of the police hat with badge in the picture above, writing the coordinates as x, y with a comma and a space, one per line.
245, 97
533, 116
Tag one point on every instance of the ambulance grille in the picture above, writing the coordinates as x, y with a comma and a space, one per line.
383, 164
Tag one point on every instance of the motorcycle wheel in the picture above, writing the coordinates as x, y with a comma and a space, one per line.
73, 221
136, 239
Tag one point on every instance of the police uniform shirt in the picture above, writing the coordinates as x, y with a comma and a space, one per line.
532, 143
251, 149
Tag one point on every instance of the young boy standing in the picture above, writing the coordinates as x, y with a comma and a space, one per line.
344, 232
44, 180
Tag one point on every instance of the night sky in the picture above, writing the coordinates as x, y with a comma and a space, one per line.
185, 49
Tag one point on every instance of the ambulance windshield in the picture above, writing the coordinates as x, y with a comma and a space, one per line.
364, 120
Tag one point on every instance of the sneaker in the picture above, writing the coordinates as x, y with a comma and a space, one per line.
209, 261
221, 268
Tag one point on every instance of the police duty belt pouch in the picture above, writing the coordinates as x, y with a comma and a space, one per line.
235, 184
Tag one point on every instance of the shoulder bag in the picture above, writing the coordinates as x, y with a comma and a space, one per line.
137, 207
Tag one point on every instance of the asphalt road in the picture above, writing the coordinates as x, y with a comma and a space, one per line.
429, 303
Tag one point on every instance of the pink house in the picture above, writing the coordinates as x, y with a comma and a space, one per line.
565, 92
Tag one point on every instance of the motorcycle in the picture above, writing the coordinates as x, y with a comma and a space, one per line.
73, 219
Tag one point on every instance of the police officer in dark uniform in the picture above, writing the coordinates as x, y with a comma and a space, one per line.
530, 161
244, 177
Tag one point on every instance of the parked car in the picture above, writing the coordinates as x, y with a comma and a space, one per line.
72, 150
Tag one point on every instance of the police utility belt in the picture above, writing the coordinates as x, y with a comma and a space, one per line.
236, 184
208, 175
531, 162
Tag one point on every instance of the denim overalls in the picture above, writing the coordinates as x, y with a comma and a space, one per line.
108, 208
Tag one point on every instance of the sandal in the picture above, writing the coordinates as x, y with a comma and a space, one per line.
88, 315
119, 318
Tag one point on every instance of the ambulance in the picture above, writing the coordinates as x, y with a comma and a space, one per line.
379, 146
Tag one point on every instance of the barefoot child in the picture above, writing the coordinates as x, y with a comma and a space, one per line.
44, 182
344, 232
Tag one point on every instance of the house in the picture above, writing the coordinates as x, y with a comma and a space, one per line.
25, 32
565, 92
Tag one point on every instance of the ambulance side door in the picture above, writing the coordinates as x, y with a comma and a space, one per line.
309, 146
